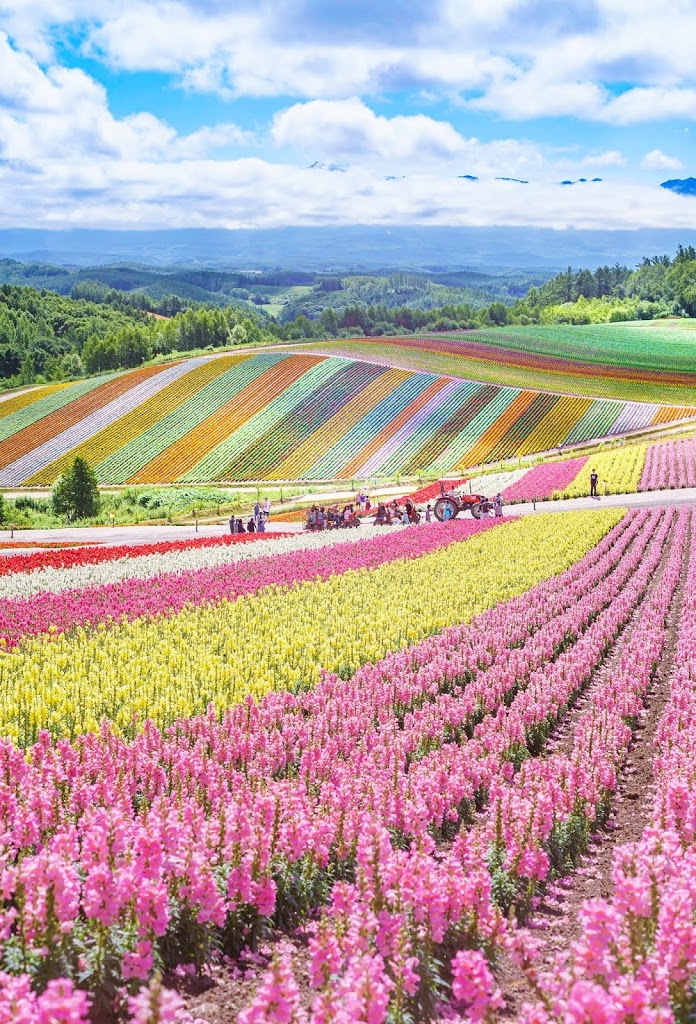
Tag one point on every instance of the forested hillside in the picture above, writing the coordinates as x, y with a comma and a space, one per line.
118, 321
49, 337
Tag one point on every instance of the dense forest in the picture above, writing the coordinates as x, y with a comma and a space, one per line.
45, 336
282, 293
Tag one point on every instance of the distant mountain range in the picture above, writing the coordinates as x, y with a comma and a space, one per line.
683, 186
489, 249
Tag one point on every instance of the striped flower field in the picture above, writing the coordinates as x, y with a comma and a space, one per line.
355, 817
280, 415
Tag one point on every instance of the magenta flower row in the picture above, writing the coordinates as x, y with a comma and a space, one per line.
669, 464
452, 895
635, 955
541, 481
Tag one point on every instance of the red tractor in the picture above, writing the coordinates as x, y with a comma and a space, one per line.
449, 505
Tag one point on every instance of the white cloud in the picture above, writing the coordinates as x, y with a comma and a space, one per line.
255, 193
348, 129
65, 159
636, 106
62, 114
517, 59
656, 160
349, 132
609, 158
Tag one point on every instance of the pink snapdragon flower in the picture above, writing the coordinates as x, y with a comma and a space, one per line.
277, 999
474, 986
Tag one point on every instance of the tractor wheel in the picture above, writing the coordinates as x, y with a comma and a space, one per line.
445, 509
476, 510
416, 518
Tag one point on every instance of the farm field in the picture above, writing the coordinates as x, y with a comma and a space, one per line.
653, 361
373, 813
294, 416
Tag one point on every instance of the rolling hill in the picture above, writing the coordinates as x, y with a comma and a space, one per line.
282, 415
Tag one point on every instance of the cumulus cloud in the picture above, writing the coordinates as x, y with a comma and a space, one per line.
66, 159
638, 105
62, 114
349, 132
656, 160
349, 129
517, 59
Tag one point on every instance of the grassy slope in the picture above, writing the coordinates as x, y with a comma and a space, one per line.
648, 345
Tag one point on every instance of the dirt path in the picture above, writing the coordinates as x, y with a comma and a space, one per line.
557, 916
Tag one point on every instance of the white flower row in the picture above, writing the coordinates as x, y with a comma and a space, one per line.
491, 483
20, 585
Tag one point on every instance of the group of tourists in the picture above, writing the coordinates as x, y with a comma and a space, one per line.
256, 522
393, 513
319, 517
494, 507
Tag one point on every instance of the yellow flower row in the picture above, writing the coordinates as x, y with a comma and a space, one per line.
619, 471
169, 668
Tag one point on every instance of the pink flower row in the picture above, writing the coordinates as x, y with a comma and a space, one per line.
62, 1003
169, 593
541, 481
635, 958
188, 833
669, 464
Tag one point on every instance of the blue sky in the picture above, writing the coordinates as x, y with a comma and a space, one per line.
186, 113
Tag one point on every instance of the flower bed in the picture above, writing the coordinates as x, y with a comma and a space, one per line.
169, 847
544, 480
669, 464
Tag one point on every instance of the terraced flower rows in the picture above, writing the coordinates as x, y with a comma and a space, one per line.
279, 416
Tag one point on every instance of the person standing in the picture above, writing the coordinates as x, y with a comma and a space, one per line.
593, 484
498, 506
266, 507
428, 514
233, 524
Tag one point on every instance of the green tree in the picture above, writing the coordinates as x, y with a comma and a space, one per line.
329, 322
76, 494
3, 510
71, 366
27, 372
498, 313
